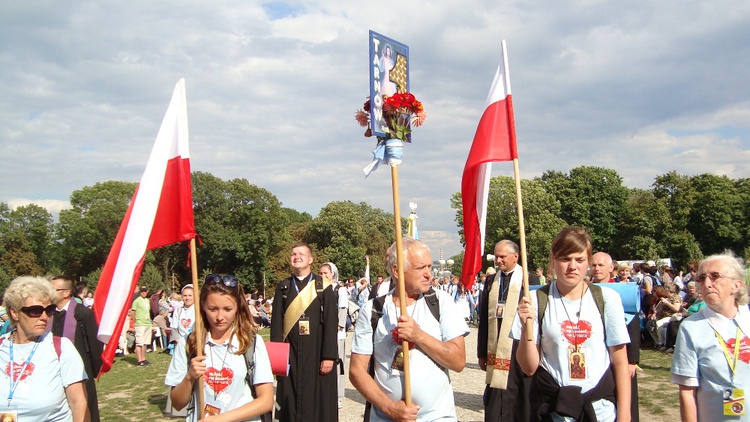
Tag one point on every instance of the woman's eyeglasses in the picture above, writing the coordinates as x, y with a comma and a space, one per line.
36, 311
713, 275
227, 280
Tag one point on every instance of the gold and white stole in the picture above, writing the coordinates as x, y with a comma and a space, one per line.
301, 302
500, 344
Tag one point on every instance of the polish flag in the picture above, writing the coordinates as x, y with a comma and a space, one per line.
495, 140
160, 213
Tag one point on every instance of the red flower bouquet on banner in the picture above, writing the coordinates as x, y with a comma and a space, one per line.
401, 111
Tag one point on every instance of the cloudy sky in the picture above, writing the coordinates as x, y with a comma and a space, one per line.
643, 87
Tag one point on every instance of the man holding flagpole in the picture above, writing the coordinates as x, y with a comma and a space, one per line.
305, 315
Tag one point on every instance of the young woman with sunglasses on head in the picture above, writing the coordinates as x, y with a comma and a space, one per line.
711, 362
48, 373
229, 332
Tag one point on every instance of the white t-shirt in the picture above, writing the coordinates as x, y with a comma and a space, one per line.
431, 385
183, 320
224, 386
40, 395
699, 360
562, 330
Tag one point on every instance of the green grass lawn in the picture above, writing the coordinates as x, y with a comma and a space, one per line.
134, 393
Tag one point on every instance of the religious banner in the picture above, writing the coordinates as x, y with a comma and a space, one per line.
389, 74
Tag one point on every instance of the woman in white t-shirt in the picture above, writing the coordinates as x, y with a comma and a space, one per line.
229, 333
48, 374
571, 356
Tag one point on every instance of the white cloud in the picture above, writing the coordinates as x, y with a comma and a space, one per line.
272, 88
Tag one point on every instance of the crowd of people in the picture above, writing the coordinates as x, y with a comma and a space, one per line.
567, 352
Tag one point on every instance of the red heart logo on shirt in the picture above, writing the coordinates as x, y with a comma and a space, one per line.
17, 371
185, 322
744, 348
576, 333
219, 379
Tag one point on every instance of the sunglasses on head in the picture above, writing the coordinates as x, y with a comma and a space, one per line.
227, 280
713, 275
36, 311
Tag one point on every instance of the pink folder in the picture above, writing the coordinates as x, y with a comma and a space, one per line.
278, 353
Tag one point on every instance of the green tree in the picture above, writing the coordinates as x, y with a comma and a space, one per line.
643, 224
25, 240
239, 224
88, 229
344, 232
591, 197
540, 213
717, 220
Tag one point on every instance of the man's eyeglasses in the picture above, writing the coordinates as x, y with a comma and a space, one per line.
227, 280
36, 311
713, 275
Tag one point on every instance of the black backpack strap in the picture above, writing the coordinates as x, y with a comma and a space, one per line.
433, 303
542, 297
596, 291
250, 363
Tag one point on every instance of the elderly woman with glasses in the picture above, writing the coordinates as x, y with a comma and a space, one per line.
42, 375
712, 357
222, 370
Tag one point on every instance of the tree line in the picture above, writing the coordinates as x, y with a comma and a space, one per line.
245, 230
679, 217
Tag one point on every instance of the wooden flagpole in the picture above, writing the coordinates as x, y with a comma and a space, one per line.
528, 324
200, 336
401, 288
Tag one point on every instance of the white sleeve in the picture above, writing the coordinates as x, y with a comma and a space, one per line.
515, 329
452, 323
178, 366
263, 373
362, 342
71, 365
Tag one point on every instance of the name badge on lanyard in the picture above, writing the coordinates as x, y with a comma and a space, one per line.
734, 398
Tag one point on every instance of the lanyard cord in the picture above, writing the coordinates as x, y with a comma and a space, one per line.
223, 360
580, 305
294, 282
731, 361
14, 382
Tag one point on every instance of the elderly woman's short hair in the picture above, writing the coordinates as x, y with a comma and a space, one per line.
26, 287
735, 268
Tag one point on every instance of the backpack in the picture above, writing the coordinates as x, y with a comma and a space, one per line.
56, 341
433, 304
543, 296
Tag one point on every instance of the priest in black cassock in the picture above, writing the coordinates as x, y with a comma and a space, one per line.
305, 316
78, 324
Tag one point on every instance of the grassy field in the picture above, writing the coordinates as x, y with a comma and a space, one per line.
132, 393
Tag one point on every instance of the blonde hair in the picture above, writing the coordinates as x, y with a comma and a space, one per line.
25, 287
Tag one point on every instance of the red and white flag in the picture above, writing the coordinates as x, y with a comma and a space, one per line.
160, 213
495, 140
